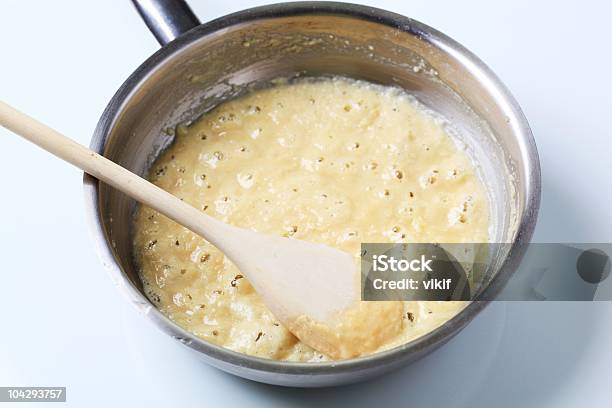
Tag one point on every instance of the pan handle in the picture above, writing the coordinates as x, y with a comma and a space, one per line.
167, 19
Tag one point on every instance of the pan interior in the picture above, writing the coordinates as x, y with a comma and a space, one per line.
227, 63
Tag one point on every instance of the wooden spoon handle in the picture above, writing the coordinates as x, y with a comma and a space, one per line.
112, 174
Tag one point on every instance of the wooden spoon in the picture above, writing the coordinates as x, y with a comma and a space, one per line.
307, 286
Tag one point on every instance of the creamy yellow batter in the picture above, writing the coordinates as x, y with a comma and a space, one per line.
334, 161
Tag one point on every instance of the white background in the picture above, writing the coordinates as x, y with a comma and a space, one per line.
62, 323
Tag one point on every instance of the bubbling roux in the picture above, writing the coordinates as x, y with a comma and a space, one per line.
333, 161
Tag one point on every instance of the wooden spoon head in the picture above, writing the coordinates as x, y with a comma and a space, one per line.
314, 290
298, 278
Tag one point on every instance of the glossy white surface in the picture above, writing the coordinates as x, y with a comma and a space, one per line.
63, 322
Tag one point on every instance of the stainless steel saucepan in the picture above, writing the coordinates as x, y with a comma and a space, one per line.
200, 65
